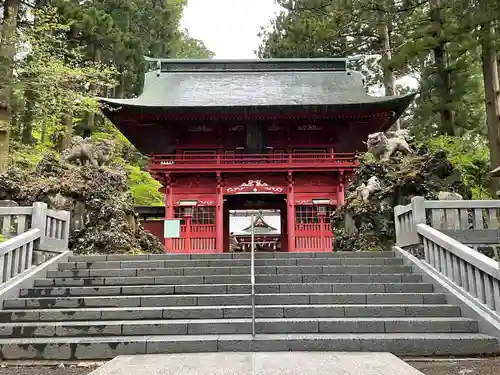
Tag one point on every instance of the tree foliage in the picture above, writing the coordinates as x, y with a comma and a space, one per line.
58, 85
447, 48
58, 56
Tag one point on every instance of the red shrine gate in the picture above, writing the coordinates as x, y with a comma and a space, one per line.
253, 134
305, 200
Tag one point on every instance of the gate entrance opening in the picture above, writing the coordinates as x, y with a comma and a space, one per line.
269, 226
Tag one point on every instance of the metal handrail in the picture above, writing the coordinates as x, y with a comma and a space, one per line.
252, 214
252, 274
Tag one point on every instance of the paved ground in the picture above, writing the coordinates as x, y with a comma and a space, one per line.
282, 363
30, 370
490, 366
448, 367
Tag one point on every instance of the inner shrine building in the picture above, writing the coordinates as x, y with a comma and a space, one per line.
229, 135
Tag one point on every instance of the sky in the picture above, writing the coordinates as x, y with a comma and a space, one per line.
229, 28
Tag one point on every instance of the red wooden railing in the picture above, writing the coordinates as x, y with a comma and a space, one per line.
197, 245
197, 238
200, 238
226, 161
313, 237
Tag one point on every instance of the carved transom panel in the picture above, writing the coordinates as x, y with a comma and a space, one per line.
199, 129
309, 127
255, 186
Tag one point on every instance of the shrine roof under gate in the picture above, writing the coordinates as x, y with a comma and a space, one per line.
203, 84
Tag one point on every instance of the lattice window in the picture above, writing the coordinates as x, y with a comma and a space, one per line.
179, 214
309, 214
306, 214
204, 215
201, 215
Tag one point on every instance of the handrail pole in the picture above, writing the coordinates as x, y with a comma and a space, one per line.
252, 274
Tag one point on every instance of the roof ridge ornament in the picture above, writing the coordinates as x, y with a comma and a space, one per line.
251, 65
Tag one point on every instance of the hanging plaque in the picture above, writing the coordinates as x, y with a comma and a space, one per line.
172, 228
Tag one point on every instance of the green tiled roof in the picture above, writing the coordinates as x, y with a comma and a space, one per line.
250, 83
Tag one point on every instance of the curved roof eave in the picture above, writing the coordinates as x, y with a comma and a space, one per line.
401, 102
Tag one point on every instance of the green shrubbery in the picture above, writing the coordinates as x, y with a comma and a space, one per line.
471, 157
143, 187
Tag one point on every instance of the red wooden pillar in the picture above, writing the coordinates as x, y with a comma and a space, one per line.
341, 191
169, 208
321, 216
188, 232
219, 217
290, 213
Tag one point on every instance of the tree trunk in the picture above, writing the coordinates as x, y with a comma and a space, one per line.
91, 116
7, 51
30, 96
15, 123
389, 80
119, 91
28, 117
491, 90
43, 133
64, 138
68, 131
443, 81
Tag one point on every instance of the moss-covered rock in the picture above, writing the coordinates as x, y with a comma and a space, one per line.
369, 225
103, 218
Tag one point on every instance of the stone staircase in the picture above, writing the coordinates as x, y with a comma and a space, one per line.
97, 307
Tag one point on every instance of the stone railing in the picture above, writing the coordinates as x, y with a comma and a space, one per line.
441, 235
30, 236
475, 273
474, 223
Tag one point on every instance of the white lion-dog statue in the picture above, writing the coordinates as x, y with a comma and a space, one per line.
383, 147
364, 191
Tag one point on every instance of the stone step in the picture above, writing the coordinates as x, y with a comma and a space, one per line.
228, 288
225, 300
239, 326
392, 261
219, 312
94, 348
266, 255
226, 279
232, 271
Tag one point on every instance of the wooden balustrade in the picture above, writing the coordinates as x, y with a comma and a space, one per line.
198, 238
33, 235
313, 237
229, 161
200, 229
